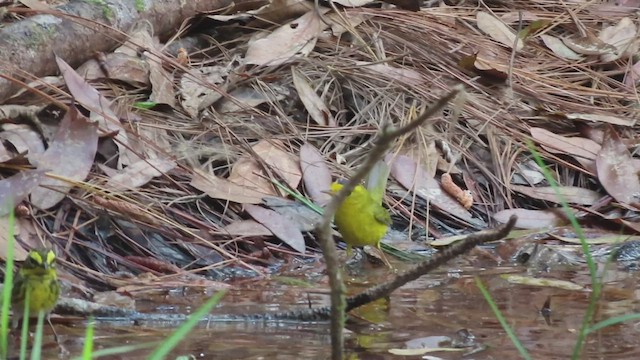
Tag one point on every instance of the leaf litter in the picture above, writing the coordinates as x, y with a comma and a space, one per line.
203, 167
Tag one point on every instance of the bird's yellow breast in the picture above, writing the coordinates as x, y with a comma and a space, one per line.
360, 220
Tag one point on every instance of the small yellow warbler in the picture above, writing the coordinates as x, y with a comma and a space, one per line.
361, 220
37, 276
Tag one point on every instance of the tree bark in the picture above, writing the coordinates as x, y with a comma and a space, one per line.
77, 30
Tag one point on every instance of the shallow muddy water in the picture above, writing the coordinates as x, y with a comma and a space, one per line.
444, 309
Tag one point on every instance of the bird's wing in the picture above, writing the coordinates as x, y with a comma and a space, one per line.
382, 215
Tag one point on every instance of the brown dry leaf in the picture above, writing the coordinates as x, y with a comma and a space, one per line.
514, 16
140, 173
338, 25
140, 36
530, 219
621, 36
197, 95
572, 194
633, 76
19, 253
36, 5
528, 173
497, 30
24, 139
248, 98
559, 48
246, 228
122, 67
611, 238
248, 173
315, 174
223, 189
602, 118
487, 60
588, 45
70, 156
429, 157
582, 149
316, 108
353, 3
296, 212
100, 108
279, 225
161, 83
5, 154
484, 67
632, 225
617, 171
415, 179
274, 12
16, 188
287, 43
404, 76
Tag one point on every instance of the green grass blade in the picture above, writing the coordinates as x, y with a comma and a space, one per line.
36, 350
596, 285
87, 350
613, 321
183, 331
6, 291
498, 314
24, 335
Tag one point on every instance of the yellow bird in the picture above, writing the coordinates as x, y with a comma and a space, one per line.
361, 219
37, 276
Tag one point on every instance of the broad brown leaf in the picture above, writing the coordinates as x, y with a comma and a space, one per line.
70, 157
617, 171
279, 225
